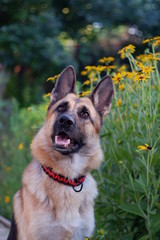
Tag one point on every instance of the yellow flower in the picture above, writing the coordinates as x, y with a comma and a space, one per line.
86, 93
155, 41
46, 107
86, 238
141, 77
20, 146
46, 95
135, 105
122, 68
126, 50
106, 60
101, 231
121, 87
131, 75
7, 199
53, 78
148, 70
87, 82
144, 58
29, 109
120, 162
8, 169
139, 64
101, 68
117, 78
91, 68
144, 69
105, 68
83, 73
145, 147
143, 73
94, 79
92, 76
147, 40
111, 67
119, 102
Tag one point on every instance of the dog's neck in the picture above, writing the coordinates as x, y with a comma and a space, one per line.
76, 182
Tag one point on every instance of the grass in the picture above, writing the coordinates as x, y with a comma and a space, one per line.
128, 206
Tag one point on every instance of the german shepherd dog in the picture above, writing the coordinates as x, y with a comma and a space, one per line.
56, 201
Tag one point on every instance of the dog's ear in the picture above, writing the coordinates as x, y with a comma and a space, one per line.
65, 84
102, 96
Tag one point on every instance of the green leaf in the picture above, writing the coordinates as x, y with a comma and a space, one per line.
127, 237
145, 237
132, 208
155, 223
140, 185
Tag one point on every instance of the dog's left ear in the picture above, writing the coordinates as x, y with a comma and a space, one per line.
65, 84
102, 96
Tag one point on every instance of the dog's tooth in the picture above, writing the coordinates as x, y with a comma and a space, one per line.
62, 141
67, 143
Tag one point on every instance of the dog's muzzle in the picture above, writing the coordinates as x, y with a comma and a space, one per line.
66, 137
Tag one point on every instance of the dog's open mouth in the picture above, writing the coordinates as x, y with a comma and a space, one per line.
62, 140
66, 144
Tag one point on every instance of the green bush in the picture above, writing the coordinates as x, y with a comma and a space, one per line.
15, 149
129, 181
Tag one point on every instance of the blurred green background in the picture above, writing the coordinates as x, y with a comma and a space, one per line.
39, 38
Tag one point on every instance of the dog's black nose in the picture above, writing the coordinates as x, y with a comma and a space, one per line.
66, 120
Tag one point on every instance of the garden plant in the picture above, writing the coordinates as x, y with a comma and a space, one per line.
128, 206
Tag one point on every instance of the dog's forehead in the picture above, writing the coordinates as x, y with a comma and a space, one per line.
74, 101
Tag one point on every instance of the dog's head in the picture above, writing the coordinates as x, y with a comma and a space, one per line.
75, 120
73, 124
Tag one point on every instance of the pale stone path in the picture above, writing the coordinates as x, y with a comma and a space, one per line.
4, 228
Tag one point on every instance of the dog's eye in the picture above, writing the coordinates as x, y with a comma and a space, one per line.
61, 108
84, 115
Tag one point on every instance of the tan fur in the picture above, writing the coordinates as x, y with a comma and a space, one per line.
44, 208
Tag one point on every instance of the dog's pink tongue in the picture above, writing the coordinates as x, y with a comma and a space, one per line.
62, 141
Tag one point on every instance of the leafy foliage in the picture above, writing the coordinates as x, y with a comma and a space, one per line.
29, 47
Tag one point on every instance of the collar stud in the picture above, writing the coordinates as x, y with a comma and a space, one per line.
76, 183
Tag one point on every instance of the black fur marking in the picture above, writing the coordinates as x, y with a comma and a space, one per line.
63, 107
13, 230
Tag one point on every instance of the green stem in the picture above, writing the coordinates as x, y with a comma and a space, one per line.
155, 64
148, 198
91, 85
120, 116
135, 194
132, 63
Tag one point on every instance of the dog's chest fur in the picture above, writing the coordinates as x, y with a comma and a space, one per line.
60, 210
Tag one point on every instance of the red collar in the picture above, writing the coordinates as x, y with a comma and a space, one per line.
61, 179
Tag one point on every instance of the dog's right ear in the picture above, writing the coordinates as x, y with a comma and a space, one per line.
65, 84
102, 96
